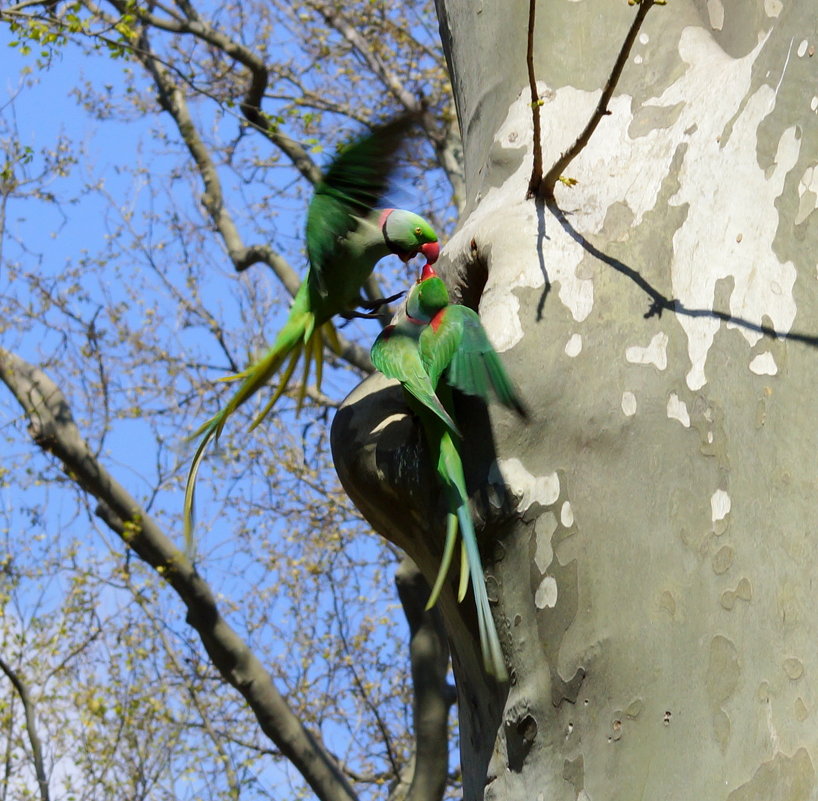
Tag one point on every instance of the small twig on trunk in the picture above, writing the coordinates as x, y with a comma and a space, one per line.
536, 170
546, 187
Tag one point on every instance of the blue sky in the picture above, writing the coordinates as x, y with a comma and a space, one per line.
120, 167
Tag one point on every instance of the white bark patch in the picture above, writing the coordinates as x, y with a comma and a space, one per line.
807, 192
677, 410
567, 515
764, 364
544, 529
628, 403
546, 595
525, 487
720, 505
654, 353
708, 248
574, 346
813, 104
772, 8
490, 223
500, 313
715, 10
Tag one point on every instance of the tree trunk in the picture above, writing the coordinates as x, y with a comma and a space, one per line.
647, 536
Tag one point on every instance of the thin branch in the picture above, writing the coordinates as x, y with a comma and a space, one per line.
174, 102
31, 727
388, 77
560, 167
52, 427
536, 169
361, 685
227, 763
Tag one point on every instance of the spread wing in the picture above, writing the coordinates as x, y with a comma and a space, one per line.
352, 187
456, 342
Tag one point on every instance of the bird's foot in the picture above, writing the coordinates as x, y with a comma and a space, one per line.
374, 305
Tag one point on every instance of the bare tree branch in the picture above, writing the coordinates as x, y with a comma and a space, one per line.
252, 102
31, 727
52, 427
434, 696
175, 103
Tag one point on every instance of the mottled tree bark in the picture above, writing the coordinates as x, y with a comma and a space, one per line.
648, 536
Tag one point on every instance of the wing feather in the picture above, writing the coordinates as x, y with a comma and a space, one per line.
352, 187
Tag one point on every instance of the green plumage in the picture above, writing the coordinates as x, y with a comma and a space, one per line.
346, 236
456, 342
438, 339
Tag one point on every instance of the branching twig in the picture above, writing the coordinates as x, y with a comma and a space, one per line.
546, 188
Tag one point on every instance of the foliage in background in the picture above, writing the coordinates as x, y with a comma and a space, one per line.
148, 238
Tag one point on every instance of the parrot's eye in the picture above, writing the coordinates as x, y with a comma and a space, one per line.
418, 231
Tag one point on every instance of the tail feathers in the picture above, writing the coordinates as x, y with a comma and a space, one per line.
190, 486
297, 335
450, 469
295, 354
493, 660
463, 586
331, 338
446, 559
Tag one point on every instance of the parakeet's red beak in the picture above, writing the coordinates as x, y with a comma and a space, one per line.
431, 250
427, 272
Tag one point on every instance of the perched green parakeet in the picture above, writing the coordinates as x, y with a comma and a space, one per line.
435, 338
346, 236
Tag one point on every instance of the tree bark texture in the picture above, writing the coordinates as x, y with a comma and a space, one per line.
648, 536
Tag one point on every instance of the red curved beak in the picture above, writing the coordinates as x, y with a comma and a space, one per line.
431, 250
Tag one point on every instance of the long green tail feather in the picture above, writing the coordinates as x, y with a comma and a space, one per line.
493, 660
282, 385
301, 392
463, 586
190, 488
450, 469
331, 337
318, 346
289, 341
446, 559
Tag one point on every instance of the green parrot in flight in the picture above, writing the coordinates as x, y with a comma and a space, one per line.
346, 235
435, 338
